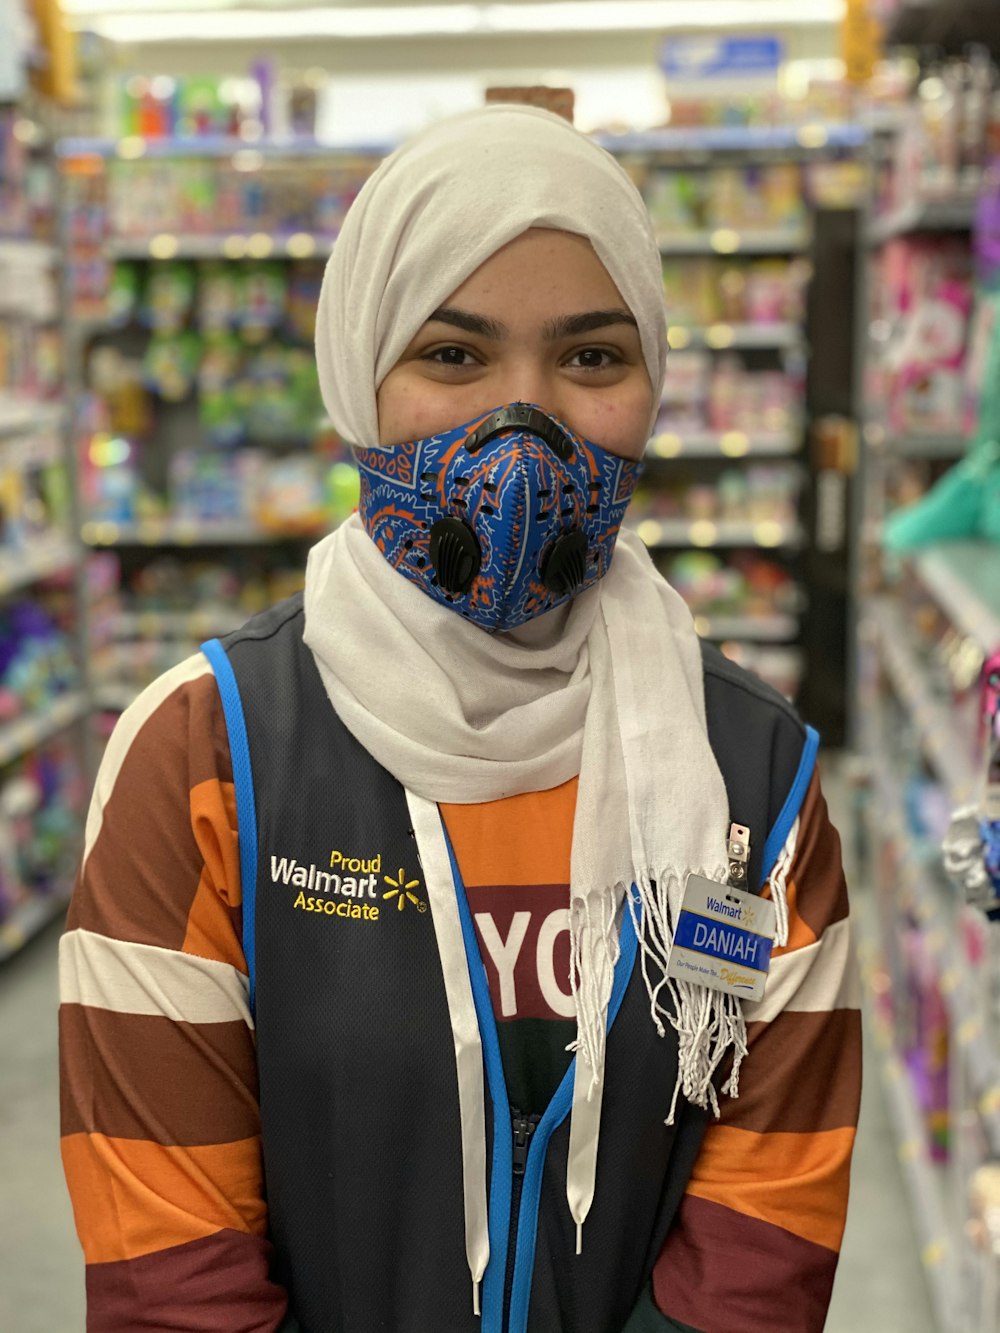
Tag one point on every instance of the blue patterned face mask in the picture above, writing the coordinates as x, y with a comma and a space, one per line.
501, 519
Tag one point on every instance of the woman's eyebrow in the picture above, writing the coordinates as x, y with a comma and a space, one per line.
570, 326
465, 319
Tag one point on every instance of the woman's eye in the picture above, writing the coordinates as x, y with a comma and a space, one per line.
595, 358
450, 356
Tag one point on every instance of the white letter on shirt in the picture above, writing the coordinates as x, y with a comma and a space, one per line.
558, 1000
504, 955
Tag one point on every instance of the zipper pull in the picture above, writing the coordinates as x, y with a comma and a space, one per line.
524, 1126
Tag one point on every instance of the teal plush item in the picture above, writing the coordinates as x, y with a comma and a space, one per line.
964, 503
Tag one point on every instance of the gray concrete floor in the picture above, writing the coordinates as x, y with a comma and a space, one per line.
880, 1286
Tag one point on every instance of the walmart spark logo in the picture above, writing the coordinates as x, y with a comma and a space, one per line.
748, 916
402, 891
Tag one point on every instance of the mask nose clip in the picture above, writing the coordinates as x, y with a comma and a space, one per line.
455, 554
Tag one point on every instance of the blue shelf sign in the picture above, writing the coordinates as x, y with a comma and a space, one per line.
694, 58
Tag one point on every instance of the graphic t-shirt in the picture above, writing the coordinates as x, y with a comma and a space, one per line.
514, 856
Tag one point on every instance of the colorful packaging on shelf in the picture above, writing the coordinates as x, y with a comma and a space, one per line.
42, 798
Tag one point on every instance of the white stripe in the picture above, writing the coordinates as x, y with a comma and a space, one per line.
143, 979
816, 979
127, 728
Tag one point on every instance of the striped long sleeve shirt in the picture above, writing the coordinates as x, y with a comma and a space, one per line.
160, 1117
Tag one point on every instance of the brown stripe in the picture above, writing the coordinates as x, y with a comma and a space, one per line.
817, 868
143, 871
721, 1272
206, 1285
137, 1076
802, 1074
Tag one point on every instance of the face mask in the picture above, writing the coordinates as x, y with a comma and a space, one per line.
501, 519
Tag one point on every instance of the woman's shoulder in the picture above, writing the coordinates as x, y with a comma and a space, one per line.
175, 724
729, 686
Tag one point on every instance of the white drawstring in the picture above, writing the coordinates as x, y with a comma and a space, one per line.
439, 883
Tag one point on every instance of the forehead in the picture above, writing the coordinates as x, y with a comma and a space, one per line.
541, 271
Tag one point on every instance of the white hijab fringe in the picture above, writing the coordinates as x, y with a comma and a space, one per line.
778, 881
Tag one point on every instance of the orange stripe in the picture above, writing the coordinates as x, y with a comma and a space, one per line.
795, 1181
210, 930
215, 824
488, 853
132, 1197
800, 935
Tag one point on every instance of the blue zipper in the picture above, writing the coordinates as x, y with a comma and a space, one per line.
501, 1180
558, 1109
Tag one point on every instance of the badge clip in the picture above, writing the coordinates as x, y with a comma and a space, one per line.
738, 850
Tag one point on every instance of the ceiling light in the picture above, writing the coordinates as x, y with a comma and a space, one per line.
224, 20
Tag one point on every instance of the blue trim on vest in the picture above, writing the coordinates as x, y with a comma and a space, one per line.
503, 1134
558, 1109
503, 1149
793, 804
246, 806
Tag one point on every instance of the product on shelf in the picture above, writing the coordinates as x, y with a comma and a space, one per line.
947, 132
37, 660
743, 586
966, 501
758, 493
219, 196
717, 393
148, 619
42, 797
759, 198
703, 291
923, 302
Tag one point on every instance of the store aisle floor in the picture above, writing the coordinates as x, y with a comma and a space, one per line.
41, 1268
880, 1287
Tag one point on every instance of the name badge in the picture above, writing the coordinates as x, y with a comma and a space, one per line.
723, 939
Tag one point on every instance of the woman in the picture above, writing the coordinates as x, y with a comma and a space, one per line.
408, 855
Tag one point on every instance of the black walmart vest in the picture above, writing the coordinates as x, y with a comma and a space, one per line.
358, 1089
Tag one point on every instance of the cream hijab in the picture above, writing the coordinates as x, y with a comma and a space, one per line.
608, 687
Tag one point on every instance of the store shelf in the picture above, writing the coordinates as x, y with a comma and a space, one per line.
728, 241
925, 1186
40, 560
27, 733
955, 212
935, 908
964, 580
754, 629
237, 245
132, 147
31, 450
28, 918
22, 416
723, 444
930, 717
919, 444
114, 696
195, 625
26, 250
682, 532
735, 337
179, 532
813, 136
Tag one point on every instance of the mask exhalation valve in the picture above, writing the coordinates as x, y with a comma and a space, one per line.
565, 567
455, 554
